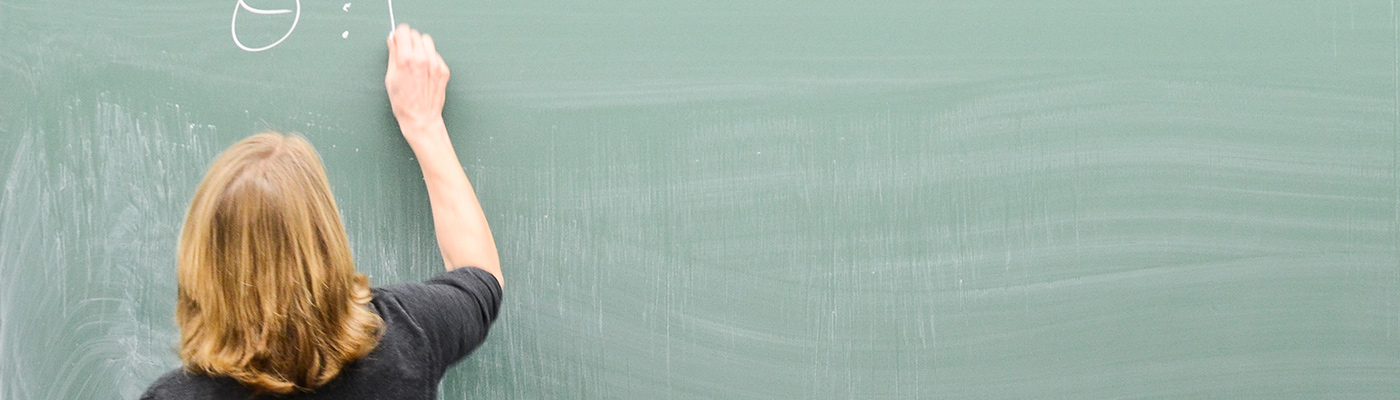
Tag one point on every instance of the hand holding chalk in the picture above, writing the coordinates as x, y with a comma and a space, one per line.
416, 82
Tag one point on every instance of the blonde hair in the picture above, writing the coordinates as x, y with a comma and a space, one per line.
268, 293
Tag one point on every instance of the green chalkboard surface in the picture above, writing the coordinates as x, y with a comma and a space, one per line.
755, 199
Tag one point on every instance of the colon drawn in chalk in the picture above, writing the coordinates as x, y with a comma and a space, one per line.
242, 7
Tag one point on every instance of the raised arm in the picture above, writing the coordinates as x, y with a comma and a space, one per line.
417, 85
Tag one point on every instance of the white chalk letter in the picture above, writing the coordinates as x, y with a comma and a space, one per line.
233, 26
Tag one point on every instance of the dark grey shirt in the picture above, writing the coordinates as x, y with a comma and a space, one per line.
428, 327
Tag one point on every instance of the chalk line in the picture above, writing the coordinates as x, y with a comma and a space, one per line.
392, 23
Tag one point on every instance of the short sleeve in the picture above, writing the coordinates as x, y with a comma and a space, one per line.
453, 310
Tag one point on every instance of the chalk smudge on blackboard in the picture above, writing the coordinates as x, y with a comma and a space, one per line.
87, 244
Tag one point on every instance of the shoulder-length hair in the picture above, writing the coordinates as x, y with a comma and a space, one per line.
268, 293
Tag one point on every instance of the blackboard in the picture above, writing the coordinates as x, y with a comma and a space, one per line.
755, 199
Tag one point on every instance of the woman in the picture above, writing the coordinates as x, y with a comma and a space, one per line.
269, 303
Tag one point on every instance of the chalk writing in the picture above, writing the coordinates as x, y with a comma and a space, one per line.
392, 24
296, 17
233, 26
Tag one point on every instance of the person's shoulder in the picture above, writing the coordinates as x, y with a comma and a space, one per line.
167, 386
469, 283
179, 384
415, 305
468, 278
472, 278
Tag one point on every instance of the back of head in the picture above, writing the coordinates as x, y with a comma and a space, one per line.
268, 293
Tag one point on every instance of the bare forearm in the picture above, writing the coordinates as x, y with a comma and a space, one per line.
416, 81
462, 231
